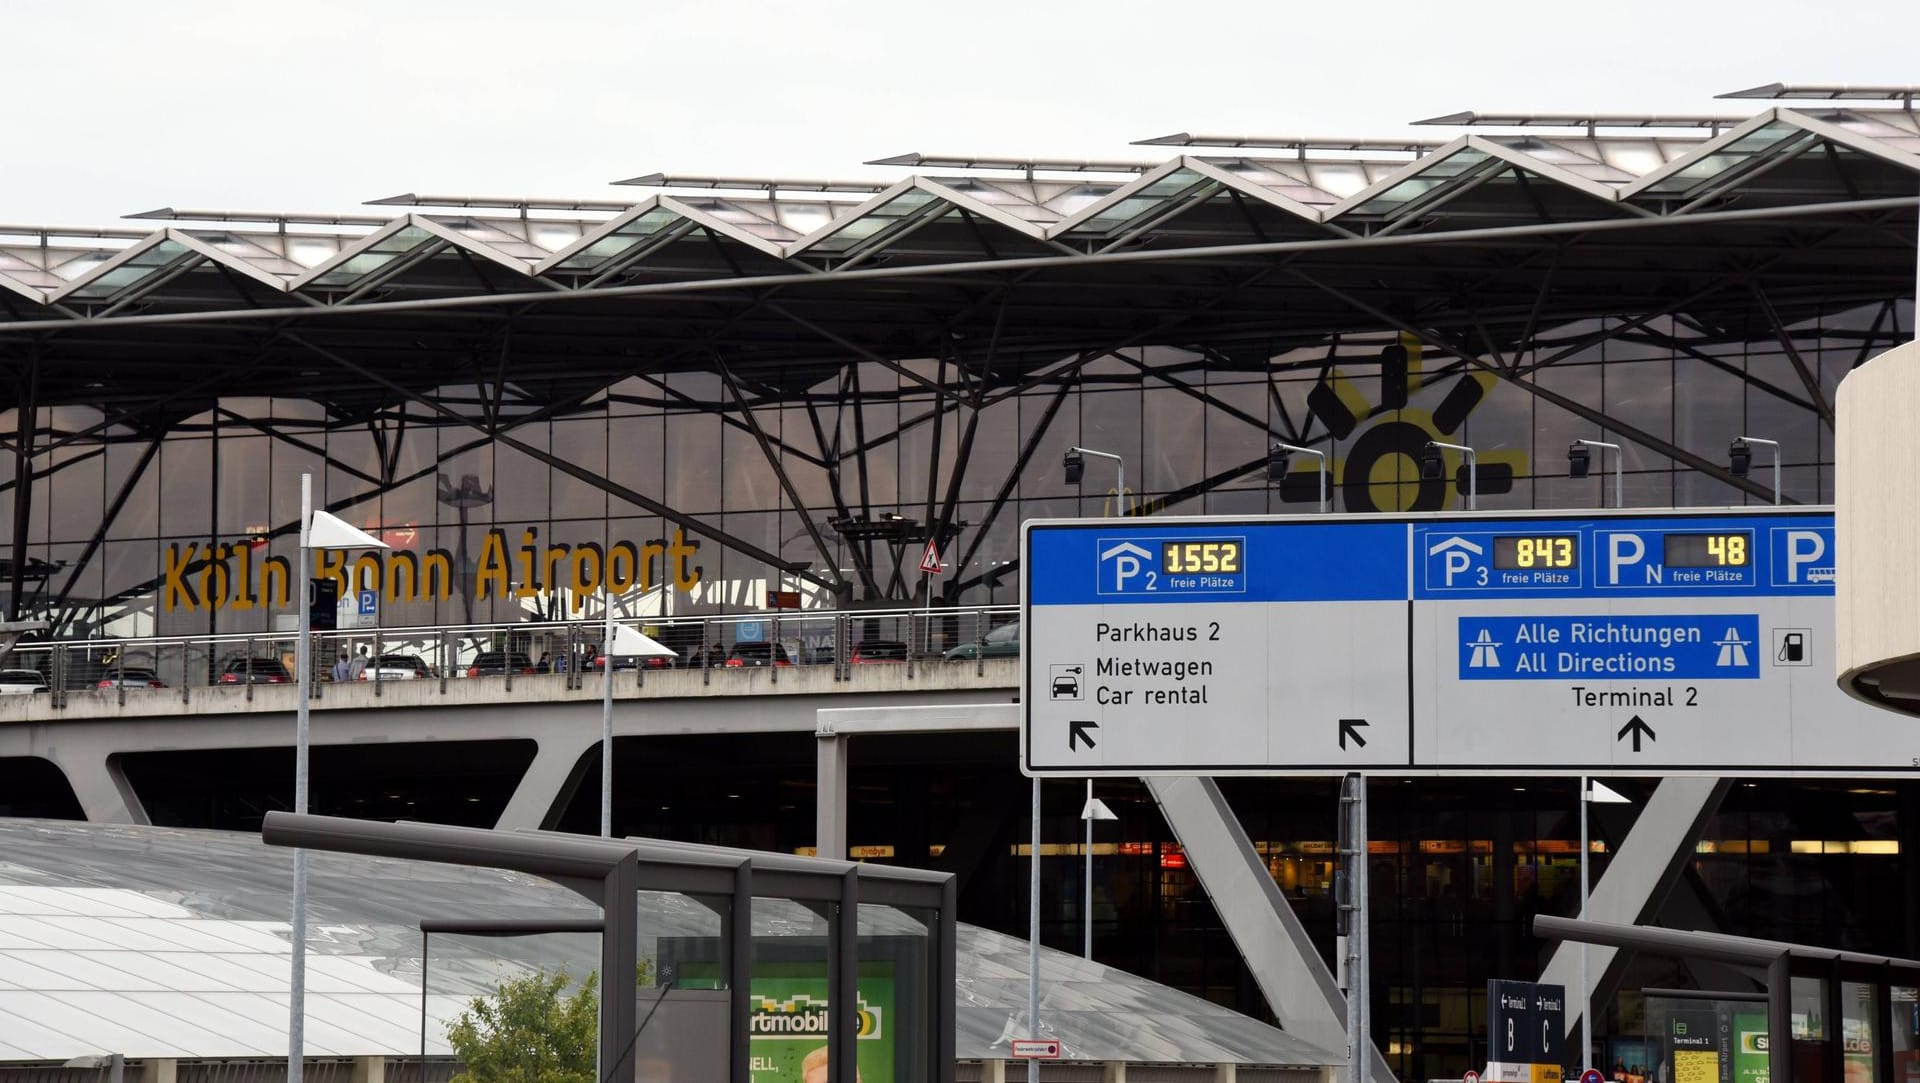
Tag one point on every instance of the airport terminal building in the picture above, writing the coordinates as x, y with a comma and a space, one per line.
719, 401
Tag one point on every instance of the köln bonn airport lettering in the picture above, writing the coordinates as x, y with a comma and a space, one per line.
233, 576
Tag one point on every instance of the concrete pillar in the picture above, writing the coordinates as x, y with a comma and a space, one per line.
1113, 1071
1639, 878
369, 1070
100, 786
993, 1071
1292, 975
830, 796
1226, 1073
537, 799
160, 1070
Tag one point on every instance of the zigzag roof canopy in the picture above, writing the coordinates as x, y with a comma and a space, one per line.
1002, 263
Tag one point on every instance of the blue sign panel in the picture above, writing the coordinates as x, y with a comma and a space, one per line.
1801, 556
369, 603
1603, 647
1298, 561
1676, 556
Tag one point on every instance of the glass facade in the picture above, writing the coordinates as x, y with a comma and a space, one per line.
128, 533
188, 529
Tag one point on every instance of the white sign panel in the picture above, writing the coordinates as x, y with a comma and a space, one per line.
1677, 642
1207, 647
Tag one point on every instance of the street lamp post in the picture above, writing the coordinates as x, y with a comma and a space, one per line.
1277, 465
1577, 464
1076, 466
317, 528
1740, 459
1590, 793
1433, 466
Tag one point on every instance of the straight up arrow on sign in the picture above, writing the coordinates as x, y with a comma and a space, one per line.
1638, 728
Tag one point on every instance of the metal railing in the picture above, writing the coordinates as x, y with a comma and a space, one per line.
564, 650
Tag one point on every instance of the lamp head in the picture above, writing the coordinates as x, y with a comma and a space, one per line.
1277, 463
1579, 460
1740, 458
1433, 465
1076, 465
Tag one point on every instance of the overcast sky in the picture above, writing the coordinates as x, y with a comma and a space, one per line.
120, 107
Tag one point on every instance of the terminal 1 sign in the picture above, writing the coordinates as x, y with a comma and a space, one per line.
1633, 642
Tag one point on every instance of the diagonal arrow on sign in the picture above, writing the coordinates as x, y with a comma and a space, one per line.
1077, 732
1350, 727
1636, 726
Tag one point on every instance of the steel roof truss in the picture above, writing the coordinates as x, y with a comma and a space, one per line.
779, 472
1821, 404
1751, 169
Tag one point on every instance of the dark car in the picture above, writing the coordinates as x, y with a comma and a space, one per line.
869, 651
131, 677
758, 654
1002, 642
243, 670
495, 663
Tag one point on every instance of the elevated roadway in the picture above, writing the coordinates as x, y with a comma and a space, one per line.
84, 733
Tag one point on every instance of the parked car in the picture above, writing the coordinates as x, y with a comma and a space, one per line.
243, 670
131, 677
396, 667
868, 651
1001, 642
758, 654
21, 682
496, 663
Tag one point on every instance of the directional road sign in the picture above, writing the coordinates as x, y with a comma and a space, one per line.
1622, 643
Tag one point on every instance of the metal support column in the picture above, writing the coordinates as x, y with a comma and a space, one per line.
843, 948
1780, 1017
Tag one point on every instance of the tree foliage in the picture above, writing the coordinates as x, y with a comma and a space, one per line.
529, 1030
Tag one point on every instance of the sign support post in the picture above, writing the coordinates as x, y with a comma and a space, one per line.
1586, 990
1033, 935
1353, 814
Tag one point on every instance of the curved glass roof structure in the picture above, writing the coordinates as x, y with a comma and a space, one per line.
157, 942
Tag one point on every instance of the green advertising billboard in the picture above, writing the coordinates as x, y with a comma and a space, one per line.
790, 1012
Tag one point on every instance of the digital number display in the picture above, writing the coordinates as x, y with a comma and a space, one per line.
1528, 551
1733, 549
1201, 557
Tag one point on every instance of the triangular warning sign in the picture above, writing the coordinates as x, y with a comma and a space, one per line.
930, 560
